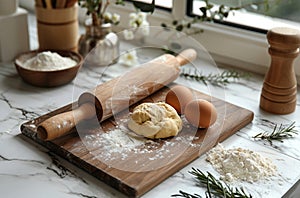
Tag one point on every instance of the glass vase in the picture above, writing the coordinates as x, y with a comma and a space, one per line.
99, 45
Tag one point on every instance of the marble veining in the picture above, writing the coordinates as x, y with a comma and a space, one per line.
29, 169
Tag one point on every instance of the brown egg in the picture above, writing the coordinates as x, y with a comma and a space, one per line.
178, 97
200, 113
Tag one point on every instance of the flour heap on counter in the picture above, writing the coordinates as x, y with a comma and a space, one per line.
240, 164
48, 61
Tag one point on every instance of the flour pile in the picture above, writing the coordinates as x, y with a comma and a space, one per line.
48, 61
240, 164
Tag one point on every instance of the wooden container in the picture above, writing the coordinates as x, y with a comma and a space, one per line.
279, 92
57, 28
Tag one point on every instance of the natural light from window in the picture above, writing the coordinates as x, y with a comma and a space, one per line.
161, 3
257, 14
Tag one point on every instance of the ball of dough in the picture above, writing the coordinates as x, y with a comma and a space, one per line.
155, 120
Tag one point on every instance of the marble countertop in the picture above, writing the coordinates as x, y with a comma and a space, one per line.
27, 169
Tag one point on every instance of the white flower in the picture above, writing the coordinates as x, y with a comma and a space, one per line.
115, 18
137, 19
145, 23
142, 16
144, 28
128, 35
129, 59
132, 16
133, 24
107, 16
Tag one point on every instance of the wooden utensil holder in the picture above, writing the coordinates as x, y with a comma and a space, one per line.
279, 92
57, 28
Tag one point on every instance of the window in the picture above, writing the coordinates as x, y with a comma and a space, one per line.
164, 3
284, 9
168, 4
255, 15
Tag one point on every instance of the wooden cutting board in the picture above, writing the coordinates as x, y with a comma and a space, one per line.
134, 173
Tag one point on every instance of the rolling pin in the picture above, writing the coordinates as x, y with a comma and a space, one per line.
117, 94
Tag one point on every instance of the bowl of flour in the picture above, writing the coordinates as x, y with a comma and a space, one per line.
48, 68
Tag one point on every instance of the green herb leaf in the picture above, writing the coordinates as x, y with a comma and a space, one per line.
179, 28
278, 134
145, 7
120, 2
214, 187
216, 79
163, 25
168, 51
186, 195
203, 10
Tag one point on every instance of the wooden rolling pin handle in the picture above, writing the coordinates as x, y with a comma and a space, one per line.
61, 124
186, 56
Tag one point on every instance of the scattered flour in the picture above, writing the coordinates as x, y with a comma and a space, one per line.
240, 164
118, 141
121, 144
48, 61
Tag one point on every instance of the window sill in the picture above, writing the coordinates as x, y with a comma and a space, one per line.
242, 48
227, 45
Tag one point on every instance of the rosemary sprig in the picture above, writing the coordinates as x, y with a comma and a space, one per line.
278, 134
186, 195
216, 79
214, 187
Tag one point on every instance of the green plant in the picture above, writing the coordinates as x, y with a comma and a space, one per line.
214, 187
98, 10
278, 133
223, 78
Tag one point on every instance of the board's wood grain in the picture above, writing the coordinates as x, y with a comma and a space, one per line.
231, 118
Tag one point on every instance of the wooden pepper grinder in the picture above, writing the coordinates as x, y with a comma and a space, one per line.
279, 92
